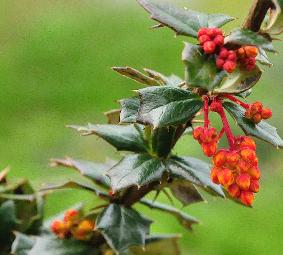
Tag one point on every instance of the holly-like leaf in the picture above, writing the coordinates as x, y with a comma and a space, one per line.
182, 21
129, 111
167, 106
200, 69
22, 244
183, 218
248, 37
194, 171
136, 75
122, 227
186, 192
159, 245
275, 23
123, 138
263, 130
239, 81
263, 58
113, 116
94, 171
135, 170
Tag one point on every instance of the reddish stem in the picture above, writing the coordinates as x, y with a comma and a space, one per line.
206, 111
221, 133
237, 101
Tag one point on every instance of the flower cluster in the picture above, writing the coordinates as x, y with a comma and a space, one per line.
247, 57
226, 60
73, 226
256, 112
211, 39
237, 170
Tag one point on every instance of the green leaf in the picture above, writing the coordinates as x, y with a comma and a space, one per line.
195, 171
263, 58
167, 106
275, 24
182, 21
200, 69
122, 227
183, 218
129, 111
248, 37
94, 171
263, 130
113, 116
22, 244
239, 81
135, 170
159, 245
186, 192
123, 138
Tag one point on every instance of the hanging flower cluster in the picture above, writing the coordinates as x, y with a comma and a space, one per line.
73, 226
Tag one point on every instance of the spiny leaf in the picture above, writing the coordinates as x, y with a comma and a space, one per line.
195, 171
182, 21
94, 171
183, 218
248, 37
263, 58
138, 169
122, 227
123, 138
136, 75
201, 70
129, 111
263, 130
167, 106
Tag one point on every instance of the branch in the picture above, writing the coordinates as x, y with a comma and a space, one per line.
257, 14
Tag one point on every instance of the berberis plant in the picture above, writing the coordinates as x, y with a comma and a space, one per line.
220, 72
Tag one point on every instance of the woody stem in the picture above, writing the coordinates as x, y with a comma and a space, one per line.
237, 101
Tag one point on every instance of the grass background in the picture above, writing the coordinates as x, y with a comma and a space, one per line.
55, 59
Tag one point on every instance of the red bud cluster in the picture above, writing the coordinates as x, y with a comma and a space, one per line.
226, 60
256, 112
237, 170
208, 139
247, 57
72, 226
210, 39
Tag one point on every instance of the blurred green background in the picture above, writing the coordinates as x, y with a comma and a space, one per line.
55, 59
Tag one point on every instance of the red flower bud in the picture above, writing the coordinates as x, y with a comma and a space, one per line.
209, 47
198, 132
214, 175
257, 118
59, 228
232, 158
243, 181
223, 53
202, 31
217, 31
256, 107
71, 215
209, 149
245, 142
254, 173
243, 166
219, 40
254, 186
251, 51
226, 177
247, 198
204, 38
248, 155
229, 66
232, 56
219, 63
266, 113
219, 158
84, 230
234, 190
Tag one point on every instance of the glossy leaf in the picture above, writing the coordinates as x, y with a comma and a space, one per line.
200, 69
263, 130
183, 218
122, 227
248, 37
263, 58
239, 81
182, 21
123, 138
136, 75
129, 111
94, 171
167, 106
135, 170
113, 116
275, 24
194, 171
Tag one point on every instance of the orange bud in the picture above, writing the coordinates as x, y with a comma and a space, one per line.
71, 215
226, 177
241, 53
248, 155
243, 181
232, 158
247, 198
59, 228
248, 114
254, 173
198, 132
219, 158
208, 135
214, 174
257, 118
266, 113
209, 149
251, 51
243, 166
234, 190
256, 107
245, 142
83, 230
254, 186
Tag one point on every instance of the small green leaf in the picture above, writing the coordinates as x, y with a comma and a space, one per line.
201, 70
113, 116
129, 111
239, 81
159, 245
186, 192
263, 130
138, 169
122, 227
275, 24
195, 171
94, 171
136, 75
22, 244
263, 58
245, 94
183, 218
248, 37
123, 138
182, 21
167, 106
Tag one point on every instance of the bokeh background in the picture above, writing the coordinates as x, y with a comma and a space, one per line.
55, 59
